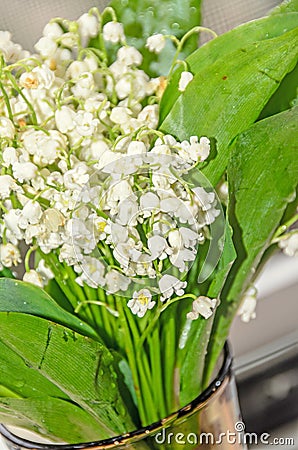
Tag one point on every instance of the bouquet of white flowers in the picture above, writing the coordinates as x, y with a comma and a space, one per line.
139, 207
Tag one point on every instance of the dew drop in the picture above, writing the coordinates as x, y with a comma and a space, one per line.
175, 26
25, 303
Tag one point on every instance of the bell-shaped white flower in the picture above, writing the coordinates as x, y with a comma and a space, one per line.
31, 214
34, 278
116, 282
46, 46
247, 309
9, 255
7, 129
290, 245
88, 26
113, 32
185, 79
141, 302
65, 119
129, 56
168, 285
92, 272
156, 43
7, 185
203, 306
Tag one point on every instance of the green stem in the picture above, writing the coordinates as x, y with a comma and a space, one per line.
129, 348
157, 379
7, 102
15, 85
169, 343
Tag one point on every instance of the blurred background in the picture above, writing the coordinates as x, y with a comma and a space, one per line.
266, 349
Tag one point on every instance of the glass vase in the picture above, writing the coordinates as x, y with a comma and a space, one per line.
212, 420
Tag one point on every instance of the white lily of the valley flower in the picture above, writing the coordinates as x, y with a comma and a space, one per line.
136, 148
128, 212
34, 278
9, 255
9, 156
7, 129
52, 30
84, 86
185, 79
44, 271
168, 285
290, 245
149, 116
65, 119
85, 123
129, 56
120, 115
141, 302
202, 306
30, 214
7, 185
70, 254
156, 43
248, 305
116, 282
53, 219
13, 232
45, 76
77, 177
46, 46
195, 150
149, 202
113, 32
29, 80
93, 272
88, 26
158, 247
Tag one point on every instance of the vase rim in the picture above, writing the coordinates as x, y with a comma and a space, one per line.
134, 436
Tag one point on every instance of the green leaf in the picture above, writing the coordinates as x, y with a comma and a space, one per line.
21, 380
17, 296
263, 176
286, 6
284, 97
225, 263
80, 367
142, 18
53, 418
192, 355
228, 95
222, 47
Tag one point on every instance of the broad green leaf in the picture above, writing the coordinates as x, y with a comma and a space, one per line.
263, 177
80, 367
18, 377
228, 95
53, 418
221, 47
225, 263
190, 354
284, 97
17, 296
142, 18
